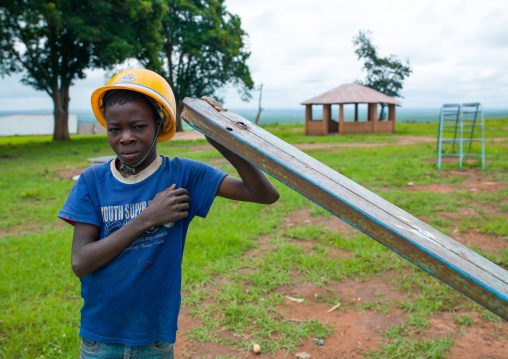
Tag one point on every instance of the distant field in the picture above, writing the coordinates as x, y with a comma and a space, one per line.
243, 261
297, 114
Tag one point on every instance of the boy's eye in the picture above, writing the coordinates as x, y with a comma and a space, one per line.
139, 126
113, 129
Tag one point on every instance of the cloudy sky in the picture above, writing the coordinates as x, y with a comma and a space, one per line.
458, 50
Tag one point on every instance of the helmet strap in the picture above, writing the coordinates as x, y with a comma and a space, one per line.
126, 170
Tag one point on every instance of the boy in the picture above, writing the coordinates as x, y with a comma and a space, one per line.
131, 217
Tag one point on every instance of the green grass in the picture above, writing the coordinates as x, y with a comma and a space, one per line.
402, 347
295, 133
231, 283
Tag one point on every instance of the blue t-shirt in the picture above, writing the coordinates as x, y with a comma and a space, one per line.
135, 299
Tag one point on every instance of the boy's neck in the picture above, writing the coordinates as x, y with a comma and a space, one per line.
141, 167
138, 177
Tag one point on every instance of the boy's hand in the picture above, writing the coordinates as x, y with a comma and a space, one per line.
215, 104
168, 206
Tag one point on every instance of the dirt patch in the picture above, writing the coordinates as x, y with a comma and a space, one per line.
447, 159
474, 181
350, 291
11, 233
353, 332
188, 348
332, 252
480, 340
263, 247
356, 331
218, 163
485, 242
304, 216
188, 135
67, 172
436, 188
375, 289
399, 140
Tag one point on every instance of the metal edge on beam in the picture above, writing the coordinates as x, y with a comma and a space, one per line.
453, 263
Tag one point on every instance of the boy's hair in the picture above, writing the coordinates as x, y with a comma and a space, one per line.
121, 97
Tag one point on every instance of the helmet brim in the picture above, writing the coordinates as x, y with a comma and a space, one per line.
169, 126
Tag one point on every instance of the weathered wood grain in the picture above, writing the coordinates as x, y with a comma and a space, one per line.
431, 250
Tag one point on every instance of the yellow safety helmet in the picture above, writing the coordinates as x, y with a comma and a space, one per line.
148, 83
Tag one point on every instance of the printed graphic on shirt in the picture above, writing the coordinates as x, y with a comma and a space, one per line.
118, 213
115, 217
148, 241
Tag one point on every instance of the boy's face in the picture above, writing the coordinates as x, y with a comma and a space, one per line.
131, 129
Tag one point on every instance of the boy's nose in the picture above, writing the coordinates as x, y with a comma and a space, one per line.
127, 137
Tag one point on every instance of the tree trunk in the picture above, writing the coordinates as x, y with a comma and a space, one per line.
178, 120
61, 112
259, 108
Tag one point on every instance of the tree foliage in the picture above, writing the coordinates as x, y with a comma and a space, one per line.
53, 42
384, 74
203, 50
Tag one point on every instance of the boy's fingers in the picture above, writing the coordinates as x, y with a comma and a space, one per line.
183, 215
176, 191
215, 104
180, 192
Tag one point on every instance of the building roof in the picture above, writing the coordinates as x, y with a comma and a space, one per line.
350, 93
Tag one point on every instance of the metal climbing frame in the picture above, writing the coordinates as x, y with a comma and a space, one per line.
457, 124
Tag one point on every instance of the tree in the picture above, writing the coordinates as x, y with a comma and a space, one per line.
54, 41
203, 50
384, 74
259, 106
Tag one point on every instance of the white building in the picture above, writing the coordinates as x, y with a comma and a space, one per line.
26, 125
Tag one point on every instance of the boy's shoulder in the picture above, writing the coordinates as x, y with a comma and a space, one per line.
96, 171
182, 161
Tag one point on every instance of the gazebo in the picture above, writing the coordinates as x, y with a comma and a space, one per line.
349, 94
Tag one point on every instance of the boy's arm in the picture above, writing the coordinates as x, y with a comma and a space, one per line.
90, 254
253, 186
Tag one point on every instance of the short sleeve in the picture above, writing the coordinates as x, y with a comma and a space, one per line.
80, 206
202, 181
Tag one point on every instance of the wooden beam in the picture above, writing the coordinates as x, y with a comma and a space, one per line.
341, 119
327, 116
431, 250
308, 118
373, 116
391, 115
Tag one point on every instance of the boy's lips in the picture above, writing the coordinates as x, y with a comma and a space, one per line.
129, 155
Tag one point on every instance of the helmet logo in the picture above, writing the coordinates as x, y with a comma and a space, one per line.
126, 78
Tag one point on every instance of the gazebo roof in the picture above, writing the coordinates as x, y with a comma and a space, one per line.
350, 93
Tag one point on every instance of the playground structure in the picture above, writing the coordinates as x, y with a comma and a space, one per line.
349, 94
453, 263
457, 124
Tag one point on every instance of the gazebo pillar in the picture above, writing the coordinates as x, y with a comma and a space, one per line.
356, 112
341, 119
373, 116
308, 118
327, 116
391, 116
